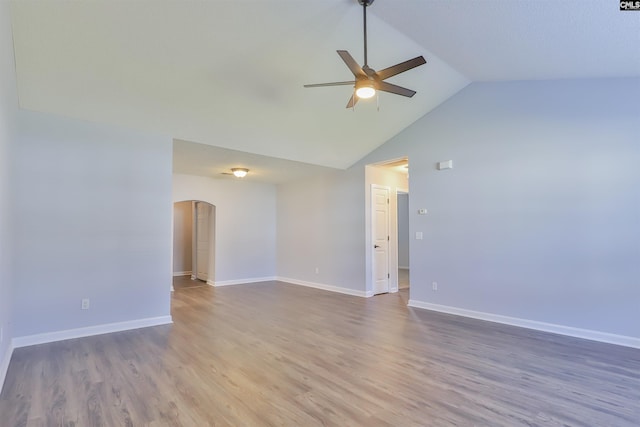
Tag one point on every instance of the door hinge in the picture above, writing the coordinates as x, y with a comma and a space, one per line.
387, 238
388, 276
387, 201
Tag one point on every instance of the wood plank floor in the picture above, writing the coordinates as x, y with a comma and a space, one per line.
277, 354
184, 282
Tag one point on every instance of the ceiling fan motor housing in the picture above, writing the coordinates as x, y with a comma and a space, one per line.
365, 2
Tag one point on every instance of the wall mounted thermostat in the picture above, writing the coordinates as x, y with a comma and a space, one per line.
422, 211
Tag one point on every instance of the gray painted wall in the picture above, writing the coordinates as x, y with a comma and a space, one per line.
321, 224
539, 217
245, 217
8, 107
93, 209
538, 220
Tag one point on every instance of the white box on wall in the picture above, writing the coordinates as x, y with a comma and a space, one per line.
447, 164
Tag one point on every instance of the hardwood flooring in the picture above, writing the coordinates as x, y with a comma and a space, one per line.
403, 278
272, 354
185, 282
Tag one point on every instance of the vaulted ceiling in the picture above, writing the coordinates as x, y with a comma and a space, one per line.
230, 73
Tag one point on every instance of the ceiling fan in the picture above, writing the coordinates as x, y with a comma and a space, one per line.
367, 80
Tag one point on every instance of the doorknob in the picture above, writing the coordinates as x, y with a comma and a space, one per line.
375, 246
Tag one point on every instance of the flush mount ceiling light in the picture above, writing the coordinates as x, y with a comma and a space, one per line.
240, 172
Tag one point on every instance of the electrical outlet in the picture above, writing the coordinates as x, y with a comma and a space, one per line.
434, 286
85, 303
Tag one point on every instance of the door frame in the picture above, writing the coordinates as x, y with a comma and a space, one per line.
402, 191
208, 208
372, 233
373, 176
211, 258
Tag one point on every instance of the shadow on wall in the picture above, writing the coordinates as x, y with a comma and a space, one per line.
194, 240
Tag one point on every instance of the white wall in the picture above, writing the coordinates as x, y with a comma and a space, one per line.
245, 224
182, 237
538, 220
8, 107
93, 220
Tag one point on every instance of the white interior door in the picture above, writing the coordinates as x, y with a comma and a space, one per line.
203, 211
380, 238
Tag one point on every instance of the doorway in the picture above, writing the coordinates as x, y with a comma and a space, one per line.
383, 183
403, 239
201, 241
193, 244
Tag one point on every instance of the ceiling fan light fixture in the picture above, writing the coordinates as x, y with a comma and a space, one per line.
240, 172
367, 80
365, 91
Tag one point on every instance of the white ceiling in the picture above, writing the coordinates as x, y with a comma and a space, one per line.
229, 73
495, 40
214, 162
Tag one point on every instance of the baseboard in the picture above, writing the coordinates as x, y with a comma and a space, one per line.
4, 364
89, 331
181, 273
325, 287
403, 268
532, 324
240, 281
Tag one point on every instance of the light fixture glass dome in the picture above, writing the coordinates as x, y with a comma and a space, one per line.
240, 172
364, 92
